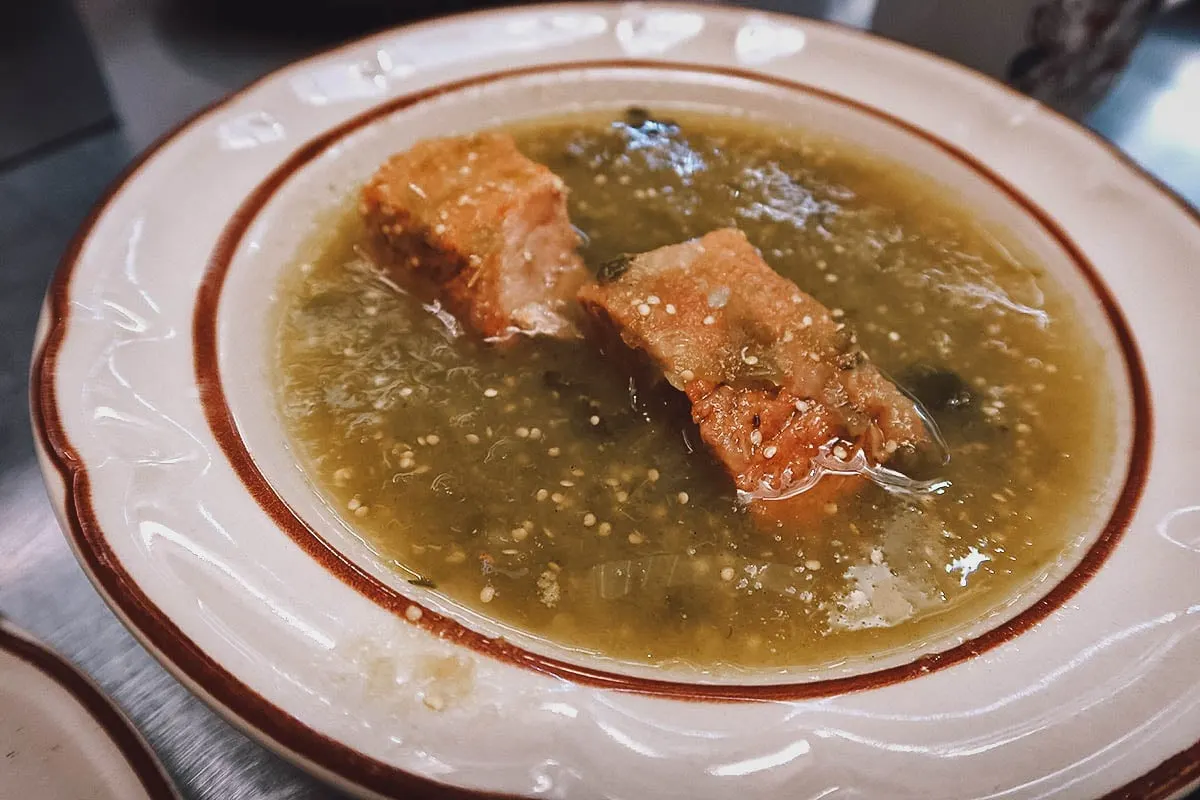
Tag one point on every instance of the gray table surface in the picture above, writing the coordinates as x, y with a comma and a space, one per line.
161, 63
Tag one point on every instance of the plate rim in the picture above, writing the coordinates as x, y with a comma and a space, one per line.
104, 712
329, 758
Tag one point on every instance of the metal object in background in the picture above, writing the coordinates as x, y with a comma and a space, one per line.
1065, 53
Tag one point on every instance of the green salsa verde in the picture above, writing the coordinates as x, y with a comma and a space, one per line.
528, 483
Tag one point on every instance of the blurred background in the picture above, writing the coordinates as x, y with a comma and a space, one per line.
86, 86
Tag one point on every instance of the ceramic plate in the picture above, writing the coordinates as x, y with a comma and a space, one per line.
60, 737
173, 479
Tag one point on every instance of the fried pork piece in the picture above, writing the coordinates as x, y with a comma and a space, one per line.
772, 377
486, 226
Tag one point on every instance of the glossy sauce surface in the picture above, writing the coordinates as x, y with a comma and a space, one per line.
530, 484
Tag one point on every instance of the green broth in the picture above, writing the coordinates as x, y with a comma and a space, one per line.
522, 482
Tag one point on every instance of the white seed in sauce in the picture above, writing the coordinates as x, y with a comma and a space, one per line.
670, 308
472, 438
727, 574
487, 593
653, 300
522, 432
894, 336
412, 613
812, 564
604, 529
518, 534
831, 508
433, 438
362, 511
636, 538
490, 392
710, 320
770, 450
644, 310
406, 391
354, 504
554, 452
756, 437
594, 420
589, 519
652, 474
683, 498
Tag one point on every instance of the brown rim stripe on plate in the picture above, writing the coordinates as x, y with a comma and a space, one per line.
1170, 777
120, 731
224, 427
239, 702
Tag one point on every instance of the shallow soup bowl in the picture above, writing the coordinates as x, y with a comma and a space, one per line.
172, 474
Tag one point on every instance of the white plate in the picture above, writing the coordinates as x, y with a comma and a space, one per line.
151, 392
61, 737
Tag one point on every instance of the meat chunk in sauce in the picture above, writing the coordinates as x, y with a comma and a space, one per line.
486, 226
773, 378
